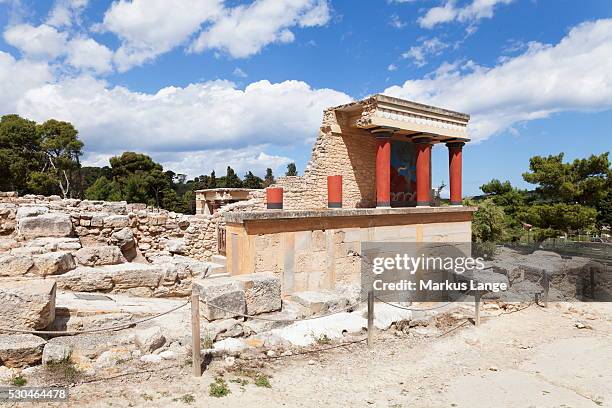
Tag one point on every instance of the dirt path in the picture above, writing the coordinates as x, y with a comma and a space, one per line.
533, 358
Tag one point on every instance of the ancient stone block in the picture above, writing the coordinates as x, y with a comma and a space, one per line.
24, 212
117, 221
111, 277
13, 265
20, 350
227, 293
56, 353
27, 304
262, 292
46, 225
149, 340
99, 255
321, 301
176, 246
52, 263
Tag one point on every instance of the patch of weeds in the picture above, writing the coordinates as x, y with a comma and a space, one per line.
164, 393
208, 341
188, 362
219, 388
120, 361
322, 339
146, 397
19, 381
263, 381
241, 381
187, 399
63, 370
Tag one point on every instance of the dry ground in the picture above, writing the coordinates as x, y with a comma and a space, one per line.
532, 358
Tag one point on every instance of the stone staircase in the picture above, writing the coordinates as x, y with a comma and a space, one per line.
218, 267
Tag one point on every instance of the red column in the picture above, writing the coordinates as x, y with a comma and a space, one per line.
274, 198
383, 170
423, 172
454, 171
334, 191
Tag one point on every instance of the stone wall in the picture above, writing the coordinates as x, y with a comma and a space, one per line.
156, 231
351, 154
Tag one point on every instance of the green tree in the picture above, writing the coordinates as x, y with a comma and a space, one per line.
213, 180
140, 178
269, 178
252, 181
584, 181
62, 149
291, 170
230, 180
104, 189
488, 222
20, 152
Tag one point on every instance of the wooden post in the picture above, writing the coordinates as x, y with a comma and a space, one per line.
370, 318
195, 335
477, 308
592, 270
546, 285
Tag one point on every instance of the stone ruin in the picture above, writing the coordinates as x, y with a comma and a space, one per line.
134, 262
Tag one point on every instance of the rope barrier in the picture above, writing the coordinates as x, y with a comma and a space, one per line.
103, 329
268, 319
411, 309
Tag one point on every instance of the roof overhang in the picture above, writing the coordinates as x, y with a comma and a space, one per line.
406, 118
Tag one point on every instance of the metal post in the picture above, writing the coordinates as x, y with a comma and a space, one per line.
370, 318
195, 335
477, 308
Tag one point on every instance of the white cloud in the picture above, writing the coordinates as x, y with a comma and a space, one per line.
252, 158
396, 22
239, 73
476, 10
66, 12
205, 116
244, 30
428, 47
149, 28
17, 77
392, 67
43, 41
87, 54
543, 80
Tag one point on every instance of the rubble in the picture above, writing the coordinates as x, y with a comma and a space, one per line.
21, 350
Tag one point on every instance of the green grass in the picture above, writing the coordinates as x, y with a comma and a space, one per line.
219, 388
63, 370
19, 381
187, 399
263, 381
322, 339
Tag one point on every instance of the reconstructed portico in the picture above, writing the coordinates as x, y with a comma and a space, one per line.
390, 120
368, 179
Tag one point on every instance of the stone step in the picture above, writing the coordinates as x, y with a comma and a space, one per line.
219, 259
216, 269
218, 275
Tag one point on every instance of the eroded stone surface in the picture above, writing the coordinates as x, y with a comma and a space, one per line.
52, 263
46, 225
27, 304
20, 350
99, 255
112, 278
227, 293
262, 292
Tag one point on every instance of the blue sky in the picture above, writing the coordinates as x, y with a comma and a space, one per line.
204, 83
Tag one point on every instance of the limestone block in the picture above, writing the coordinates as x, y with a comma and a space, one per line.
321, 301
7, 244
24, 212
28, 304
99, 255
225, 292
46, 225
117, 221
176, 246
111, 277
262, 292
11, 265
124, 238
150, 339
56, 353
52, 263
20, 350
